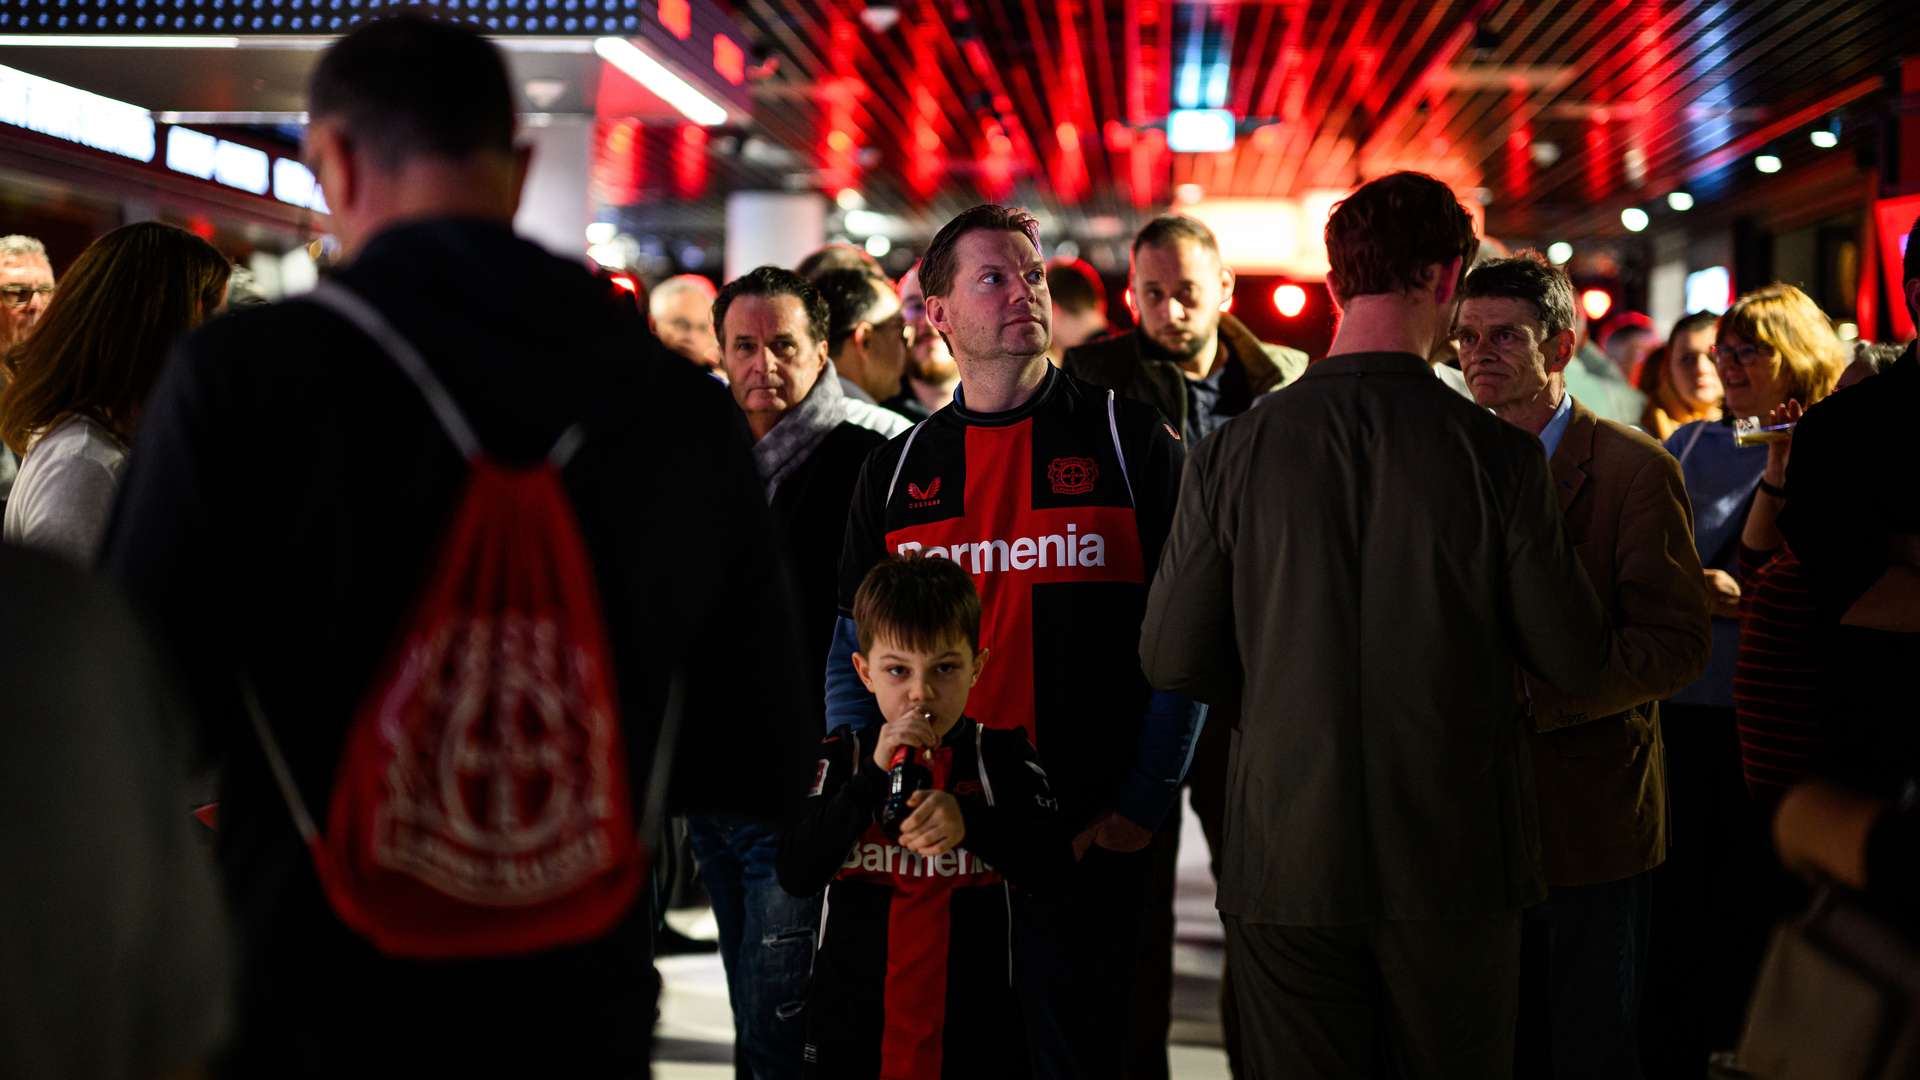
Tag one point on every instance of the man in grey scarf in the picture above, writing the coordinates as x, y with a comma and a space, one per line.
810, 440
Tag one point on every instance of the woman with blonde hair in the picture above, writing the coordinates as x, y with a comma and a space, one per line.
1682, 382
1776, 353
77, 384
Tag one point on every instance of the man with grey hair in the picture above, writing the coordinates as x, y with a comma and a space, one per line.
1598, 761
26, 280
680, 311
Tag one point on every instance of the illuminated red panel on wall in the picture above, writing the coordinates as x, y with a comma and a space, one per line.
729, 60
690, 162
618, 162
1895, 218
677, 17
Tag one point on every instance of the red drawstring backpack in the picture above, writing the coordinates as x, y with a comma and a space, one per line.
481, 806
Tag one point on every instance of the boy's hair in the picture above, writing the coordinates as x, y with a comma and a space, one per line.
916, 602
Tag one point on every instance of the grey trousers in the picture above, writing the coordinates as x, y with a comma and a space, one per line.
1392, 999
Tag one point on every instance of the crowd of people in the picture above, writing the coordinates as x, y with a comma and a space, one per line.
1517, 689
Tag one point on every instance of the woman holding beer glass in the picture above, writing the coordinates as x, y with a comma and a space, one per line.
1776, 354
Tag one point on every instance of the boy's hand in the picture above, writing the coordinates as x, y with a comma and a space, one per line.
936, 825
913, 729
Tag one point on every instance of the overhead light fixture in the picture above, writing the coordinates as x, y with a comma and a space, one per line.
1188, 194
878, 246
118, 41
1680, 200
1200, 131
1596, 303
1289, 300
664, 84
1825, 139
1559, 253
1634, 218
849, 199
602, 232
1767, 163
866, 223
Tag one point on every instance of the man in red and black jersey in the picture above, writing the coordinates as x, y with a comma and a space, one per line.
1055, 496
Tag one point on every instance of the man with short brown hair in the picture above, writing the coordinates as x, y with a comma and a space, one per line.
1366, 562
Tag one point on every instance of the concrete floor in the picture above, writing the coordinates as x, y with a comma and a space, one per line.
695, 1037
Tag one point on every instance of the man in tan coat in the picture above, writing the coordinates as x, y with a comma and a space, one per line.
1598, 761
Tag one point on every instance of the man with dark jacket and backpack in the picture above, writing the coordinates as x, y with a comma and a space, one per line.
296, 476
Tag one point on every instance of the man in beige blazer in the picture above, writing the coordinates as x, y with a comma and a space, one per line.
1598, 761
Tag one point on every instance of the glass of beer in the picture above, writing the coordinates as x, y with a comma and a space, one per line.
1751, 432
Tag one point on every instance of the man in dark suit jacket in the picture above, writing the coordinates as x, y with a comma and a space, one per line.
1598, 760
1200, 368
1367, 562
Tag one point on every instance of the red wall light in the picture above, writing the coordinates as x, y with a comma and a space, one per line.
1596, 303
729, 60
677, 17
1289, 300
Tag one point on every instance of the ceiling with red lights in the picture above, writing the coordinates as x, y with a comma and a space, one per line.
1541, 111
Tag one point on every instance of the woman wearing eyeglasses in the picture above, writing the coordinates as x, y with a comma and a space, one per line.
1775, 351
78, 382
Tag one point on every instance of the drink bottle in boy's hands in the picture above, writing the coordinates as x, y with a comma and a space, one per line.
906, 776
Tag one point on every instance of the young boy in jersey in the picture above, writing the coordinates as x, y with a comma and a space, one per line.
912, 977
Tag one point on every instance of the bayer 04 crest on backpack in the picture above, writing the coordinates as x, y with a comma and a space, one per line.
482, 804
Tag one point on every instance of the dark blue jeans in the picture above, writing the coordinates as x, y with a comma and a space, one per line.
1593, 940
766, 941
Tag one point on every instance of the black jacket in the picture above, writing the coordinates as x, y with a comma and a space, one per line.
811, 506
1852, 515
912, 974
286, 494
1252, 368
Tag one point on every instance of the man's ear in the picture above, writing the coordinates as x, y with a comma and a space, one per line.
1559, 351
331, 156
862, 333
1913, 299
821, 355
1226, 287
861, 669
979, 665
1447, 286
937, 314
